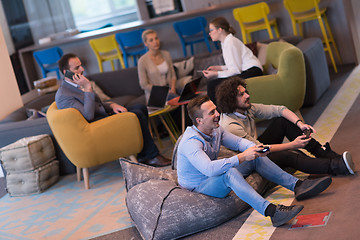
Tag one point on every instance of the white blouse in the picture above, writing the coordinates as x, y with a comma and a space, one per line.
237, 57
163, 69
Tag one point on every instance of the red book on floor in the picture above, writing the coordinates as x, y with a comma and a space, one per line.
311, 220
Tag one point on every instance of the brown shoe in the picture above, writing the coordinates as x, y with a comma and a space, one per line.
158, 161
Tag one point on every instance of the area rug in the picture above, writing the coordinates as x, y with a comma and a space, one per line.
68, 211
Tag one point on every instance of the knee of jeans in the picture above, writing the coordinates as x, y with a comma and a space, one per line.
231, 175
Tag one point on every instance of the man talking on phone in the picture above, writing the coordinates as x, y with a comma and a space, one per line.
76, 92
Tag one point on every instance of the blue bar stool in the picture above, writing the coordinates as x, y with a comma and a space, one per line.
192, 31
47, 60
131, 44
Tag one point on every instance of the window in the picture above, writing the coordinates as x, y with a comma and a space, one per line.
89, 14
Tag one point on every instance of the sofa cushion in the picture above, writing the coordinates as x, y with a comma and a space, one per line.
118, 83
129, 100
103, 97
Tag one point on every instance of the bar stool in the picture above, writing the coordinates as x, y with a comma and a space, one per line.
131, 44
306, 10
47, 60
192, 31
254, 18
106, 49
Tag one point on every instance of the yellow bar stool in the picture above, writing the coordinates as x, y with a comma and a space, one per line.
254, 18
307, 10
106, 49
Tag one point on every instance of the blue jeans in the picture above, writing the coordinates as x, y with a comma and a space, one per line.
220, 186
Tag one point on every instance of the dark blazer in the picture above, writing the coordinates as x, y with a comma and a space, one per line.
88, 103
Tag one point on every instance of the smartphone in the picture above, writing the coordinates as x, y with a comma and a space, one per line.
307, 133
264, 150
69, 74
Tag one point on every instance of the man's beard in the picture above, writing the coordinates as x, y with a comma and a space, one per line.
244, 109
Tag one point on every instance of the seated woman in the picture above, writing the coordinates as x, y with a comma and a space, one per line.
239, 60
156, 67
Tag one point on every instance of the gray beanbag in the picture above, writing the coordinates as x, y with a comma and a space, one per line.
161, 209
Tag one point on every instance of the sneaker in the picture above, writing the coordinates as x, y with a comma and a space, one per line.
311, 187
328, 152
283, 214
348, 162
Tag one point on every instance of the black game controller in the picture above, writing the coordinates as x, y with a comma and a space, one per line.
307, 132
264, 150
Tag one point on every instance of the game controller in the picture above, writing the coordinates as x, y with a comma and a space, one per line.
307, 132
265, 149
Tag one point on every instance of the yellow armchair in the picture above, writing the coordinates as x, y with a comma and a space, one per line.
91, 144
285, 87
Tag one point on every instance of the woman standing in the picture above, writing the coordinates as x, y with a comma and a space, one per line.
156, 67
239, 59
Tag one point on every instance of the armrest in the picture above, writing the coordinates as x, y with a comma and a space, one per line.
265, 89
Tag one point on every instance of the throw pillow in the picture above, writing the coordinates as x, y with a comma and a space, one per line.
136, 173
184, 67
261, 49
253, 47
103, 97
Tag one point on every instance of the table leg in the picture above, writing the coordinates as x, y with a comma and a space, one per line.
152, 122
182, 118
168, 129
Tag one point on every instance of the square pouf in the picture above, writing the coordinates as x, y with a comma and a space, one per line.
27, 153
34, 181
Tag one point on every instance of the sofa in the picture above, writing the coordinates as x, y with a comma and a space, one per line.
286, 85
317, 71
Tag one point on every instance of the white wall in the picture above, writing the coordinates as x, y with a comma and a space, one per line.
6, 32
10, 98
